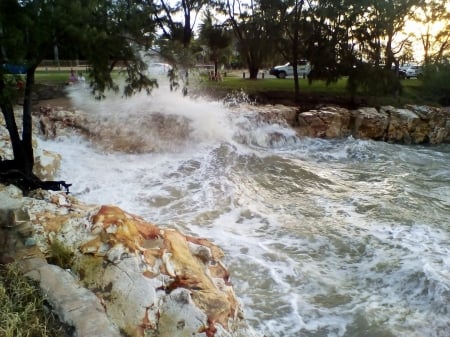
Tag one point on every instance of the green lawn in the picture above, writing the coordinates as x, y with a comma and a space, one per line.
52, 76
234, 81
412, 92
275, 84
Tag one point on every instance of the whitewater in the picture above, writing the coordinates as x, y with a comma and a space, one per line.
323, 238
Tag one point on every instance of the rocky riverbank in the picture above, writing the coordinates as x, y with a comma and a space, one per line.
116, 274
106, 272
131, 277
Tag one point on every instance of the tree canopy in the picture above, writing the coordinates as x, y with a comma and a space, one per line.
357, 38
106, 32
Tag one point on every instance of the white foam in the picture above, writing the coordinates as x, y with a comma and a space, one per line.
323, 238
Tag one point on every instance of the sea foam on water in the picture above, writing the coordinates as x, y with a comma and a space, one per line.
332, 238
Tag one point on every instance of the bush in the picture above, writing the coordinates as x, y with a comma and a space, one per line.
374, 81
436, 83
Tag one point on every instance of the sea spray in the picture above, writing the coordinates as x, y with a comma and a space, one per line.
322, 237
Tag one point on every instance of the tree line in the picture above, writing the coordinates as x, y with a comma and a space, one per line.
361, 39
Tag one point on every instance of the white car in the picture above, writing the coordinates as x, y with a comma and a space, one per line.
413, 71
303, 69
155, 68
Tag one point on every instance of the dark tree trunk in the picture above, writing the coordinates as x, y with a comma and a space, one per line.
253, 70
27, 138
252, 67
19, 171
8, 113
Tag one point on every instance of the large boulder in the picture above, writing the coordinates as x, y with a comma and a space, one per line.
370, 123
330, 122
438, 121
405, 126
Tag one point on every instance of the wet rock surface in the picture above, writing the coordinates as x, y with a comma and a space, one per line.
125, 275
408, 125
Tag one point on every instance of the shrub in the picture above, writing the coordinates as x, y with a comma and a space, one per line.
436, 83
373, 81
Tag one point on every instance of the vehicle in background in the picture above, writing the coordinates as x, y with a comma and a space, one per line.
156, 68
303, 69
16, 69
413, 71
401, 72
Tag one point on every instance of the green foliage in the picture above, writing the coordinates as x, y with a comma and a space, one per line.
102, 32
436, 83
22, 311
370, 80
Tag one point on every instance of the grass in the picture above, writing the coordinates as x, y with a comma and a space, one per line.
60, 255
51, 77
412, 90
22, 309
234, 82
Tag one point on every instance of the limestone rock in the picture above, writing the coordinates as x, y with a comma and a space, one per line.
330, 122
72, 303
409, 125
402, 125
370, 123
46, 164
152, 281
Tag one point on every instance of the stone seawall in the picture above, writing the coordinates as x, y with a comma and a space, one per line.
410, 125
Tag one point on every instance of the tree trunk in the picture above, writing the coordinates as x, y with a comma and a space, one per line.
19, 171
253, 72
8, 113
27, 141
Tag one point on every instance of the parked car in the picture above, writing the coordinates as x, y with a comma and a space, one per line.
413, 71
156, 68
401, 72
14, 68
303, 69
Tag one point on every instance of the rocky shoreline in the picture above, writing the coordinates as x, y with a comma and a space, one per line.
111, 273
118, 275
129, 277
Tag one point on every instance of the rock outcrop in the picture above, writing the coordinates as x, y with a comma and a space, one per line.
113, 273
119, 274
410, 125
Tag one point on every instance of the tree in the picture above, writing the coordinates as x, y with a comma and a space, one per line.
379, 25
249, 26
289, 16
215, 37
107, 32
174, 29
434, 16
330, 40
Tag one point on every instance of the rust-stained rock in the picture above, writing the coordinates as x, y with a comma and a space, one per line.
150, 280
189, 272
